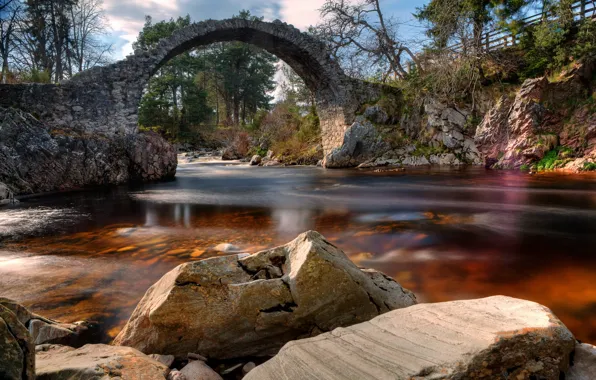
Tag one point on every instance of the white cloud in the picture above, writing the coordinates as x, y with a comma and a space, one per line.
301, 13
127, 16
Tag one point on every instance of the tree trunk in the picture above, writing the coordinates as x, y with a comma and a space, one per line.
4, 68
236, 112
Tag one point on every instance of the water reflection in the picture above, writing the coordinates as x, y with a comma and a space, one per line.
444, 235
292, 221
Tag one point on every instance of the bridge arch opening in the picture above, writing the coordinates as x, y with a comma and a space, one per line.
337, 96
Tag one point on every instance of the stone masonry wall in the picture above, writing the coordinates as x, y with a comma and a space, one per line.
106, 99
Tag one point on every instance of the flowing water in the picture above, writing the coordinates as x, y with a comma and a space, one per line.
444, 234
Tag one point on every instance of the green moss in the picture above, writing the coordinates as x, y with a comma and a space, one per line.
428, 150
395, 138
589, 166
524, 168
555, 158
257, 150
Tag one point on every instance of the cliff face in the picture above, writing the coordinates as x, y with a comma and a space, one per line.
547, 125
391, 133
36, 158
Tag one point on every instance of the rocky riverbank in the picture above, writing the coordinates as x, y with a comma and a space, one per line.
36, 158
544, 124
301, 311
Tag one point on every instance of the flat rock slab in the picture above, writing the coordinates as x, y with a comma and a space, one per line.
97, 362
489, 338
584, 367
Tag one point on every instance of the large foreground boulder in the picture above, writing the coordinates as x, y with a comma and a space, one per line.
490, 338
47, 331
17, 352
35, 157
251, 305
97, 361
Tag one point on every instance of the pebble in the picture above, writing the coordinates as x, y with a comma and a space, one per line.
248, 367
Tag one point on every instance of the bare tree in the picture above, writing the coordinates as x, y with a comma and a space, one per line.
4, 4
363, 37
294, 89
9, 13
54, 39
88, 26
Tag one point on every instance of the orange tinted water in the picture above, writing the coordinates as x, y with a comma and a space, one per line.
443, 234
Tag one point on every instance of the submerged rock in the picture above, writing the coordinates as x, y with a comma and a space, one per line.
250, 305
17, 351
97, 361
490, 338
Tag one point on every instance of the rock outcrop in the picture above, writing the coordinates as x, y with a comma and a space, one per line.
97, 361
378, 138
37, 158
584, 363
250, 305
519, 131
489, 338
510, 134
17, 351
362, 142
46, 331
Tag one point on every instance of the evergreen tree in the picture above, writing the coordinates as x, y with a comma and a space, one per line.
231, 79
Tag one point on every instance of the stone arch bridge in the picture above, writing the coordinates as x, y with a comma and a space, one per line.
105, 100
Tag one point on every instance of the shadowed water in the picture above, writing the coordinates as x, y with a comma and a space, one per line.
444, 234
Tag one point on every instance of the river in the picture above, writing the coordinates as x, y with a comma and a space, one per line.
444, 234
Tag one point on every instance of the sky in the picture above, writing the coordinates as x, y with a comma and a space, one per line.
126, 17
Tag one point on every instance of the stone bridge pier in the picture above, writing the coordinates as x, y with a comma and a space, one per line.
105, 100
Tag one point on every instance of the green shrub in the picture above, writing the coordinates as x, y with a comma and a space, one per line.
37, 76
555, 158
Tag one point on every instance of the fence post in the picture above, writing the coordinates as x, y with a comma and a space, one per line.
487, 41
582, 9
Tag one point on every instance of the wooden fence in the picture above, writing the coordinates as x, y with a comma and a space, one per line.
501, 38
